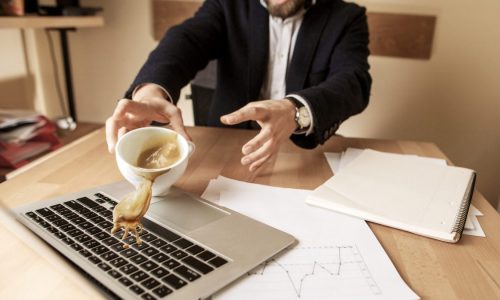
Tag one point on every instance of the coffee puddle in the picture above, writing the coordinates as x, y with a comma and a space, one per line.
128, 213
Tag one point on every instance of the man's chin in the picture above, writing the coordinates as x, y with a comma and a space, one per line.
284, 8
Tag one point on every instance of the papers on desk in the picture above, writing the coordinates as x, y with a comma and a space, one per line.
338, 162
337, 256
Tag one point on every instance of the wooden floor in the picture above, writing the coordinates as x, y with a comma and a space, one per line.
66, 137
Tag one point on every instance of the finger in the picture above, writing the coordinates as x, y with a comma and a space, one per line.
264, 135
139, 110
111, 134
176, 121
121, 132
246, 113
259, 163
267, 149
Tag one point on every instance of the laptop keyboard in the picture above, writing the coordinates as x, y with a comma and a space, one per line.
163, 263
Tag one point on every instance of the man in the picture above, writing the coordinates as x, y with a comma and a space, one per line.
306, 61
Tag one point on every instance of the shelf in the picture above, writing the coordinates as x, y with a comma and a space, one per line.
51, 22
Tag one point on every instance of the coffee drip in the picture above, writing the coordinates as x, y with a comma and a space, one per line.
128, 213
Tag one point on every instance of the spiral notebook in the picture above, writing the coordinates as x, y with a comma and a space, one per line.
401, 192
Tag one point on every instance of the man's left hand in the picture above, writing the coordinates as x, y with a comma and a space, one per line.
277, 121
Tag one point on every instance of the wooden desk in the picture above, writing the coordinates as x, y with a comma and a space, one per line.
433, 269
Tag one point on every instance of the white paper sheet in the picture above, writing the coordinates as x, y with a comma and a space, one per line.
337, 256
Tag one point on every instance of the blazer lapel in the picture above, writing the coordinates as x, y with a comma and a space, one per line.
307, 40
258, 48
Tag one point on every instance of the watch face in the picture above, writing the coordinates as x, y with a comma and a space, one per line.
304, 118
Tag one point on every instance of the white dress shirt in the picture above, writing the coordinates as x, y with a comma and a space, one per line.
282, 38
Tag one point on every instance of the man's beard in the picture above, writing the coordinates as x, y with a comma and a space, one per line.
285, 10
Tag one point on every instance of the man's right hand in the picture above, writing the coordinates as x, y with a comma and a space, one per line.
149, 104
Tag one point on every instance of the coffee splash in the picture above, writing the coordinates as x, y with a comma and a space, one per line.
127, 214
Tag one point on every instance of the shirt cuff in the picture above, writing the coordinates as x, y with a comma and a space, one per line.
169, 98
304, 102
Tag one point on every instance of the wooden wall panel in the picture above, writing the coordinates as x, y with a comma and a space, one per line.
396, 35
401, 35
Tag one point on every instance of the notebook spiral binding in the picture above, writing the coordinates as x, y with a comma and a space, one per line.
464, 208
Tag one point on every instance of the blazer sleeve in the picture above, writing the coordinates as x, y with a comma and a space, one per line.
184, 50
346, 90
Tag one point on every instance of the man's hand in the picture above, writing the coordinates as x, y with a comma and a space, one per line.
277, 121
149, 104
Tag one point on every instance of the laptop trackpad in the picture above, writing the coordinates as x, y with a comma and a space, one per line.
183, 211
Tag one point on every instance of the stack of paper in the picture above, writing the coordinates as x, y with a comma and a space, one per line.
397, 190
337, 256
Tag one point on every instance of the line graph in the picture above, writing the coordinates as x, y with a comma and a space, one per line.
314, 272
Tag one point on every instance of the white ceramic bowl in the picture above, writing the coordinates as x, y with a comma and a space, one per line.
134, 142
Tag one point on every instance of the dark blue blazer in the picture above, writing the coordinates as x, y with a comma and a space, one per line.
329, 67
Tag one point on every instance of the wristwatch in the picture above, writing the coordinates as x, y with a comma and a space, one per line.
302, 117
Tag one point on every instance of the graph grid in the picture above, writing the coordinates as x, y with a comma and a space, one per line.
313, 272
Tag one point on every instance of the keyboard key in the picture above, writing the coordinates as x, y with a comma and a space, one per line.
197, 265
52, 229
105, 267
109, 241
44, 224
105, 225
98, 209
195, 249
45, 212
217, 262
59, 223
160, 257
183, 243
129, 252
174, 281
115, 274
60, 235
160, 231
179, 254
187, 273
150, 283
162, 291
141, 246
149, 237
100, 201
53, 218
148, 265
136, 289
90, 216
100, 249
148, 297
57, 207
75, 232
168, 248
96, 219
109, 256
82, 238
159, 272
85, 225
69, 215
139, 276
158, 243
93, 230
125, 281
206, 255
139, 259
67, 241
118, 262
101, 235
77, 220
72, 204
171, 264
106, 214
91, 244
118, 247
129, 269
76, 247
85, 253
94, 259
87, 202
150, 251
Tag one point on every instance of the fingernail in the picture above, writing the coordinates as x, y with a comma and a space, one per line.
245, 161
247, 150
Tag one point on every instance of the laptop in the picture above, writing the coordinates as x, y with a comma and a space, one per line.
190, 249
